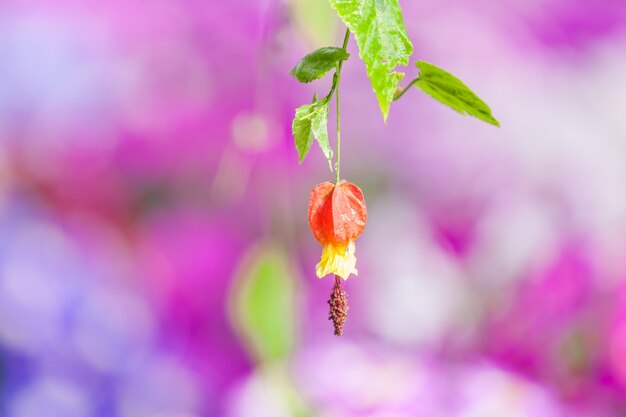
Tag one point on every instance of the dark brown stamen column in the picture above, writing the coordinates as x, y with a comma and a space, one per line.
338, 306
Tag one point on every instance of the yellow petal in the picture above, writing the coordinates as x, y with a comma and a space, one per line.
337, 260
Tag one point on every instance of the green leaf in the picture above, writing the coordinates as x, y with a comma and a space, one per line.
318, 63
301, 129
309, 123
449, 90
263, 303
319, 127
379, 31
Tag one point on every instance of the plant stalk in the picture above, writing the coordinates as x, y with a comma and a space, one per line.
335, 89
400, 93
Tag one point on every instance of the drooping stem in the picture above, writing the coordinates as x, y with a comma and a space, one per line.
335, 89
400, 93
337, 74
338, 160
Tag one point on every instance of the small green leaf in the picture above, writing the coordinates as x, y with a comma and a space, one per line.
383, 42
318, 63
319, 127
449, 90
309, 123
263, 303
301, 129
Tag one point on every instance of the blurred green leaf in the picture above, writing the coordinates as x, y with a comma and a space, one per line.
316, 64
315, 20
263, 303
379, 31
449, 90
311, 122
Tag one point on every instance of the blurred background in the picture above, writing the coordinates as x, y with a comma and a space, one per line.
155, 256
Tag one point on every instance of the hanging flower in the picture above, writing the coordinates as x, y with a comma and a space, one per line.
337, 216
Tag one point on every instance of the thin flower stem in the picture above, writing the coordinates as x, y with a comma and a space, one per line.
401, 92
338, 70
335, 89
338, 161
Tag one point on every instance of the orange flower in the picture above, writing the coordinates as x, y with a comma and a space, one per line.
337, 216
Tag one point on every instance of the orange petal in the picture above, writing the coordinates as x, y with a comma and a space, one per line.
320, 212
337, 213
349, 212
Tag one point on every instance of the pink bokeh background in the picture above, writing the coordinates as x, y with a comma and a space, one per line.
146, 159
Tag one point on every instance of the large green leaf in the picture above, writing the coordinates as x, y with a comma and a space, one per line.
449, 90
379, 31
311, 122
318, 63
263, 303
